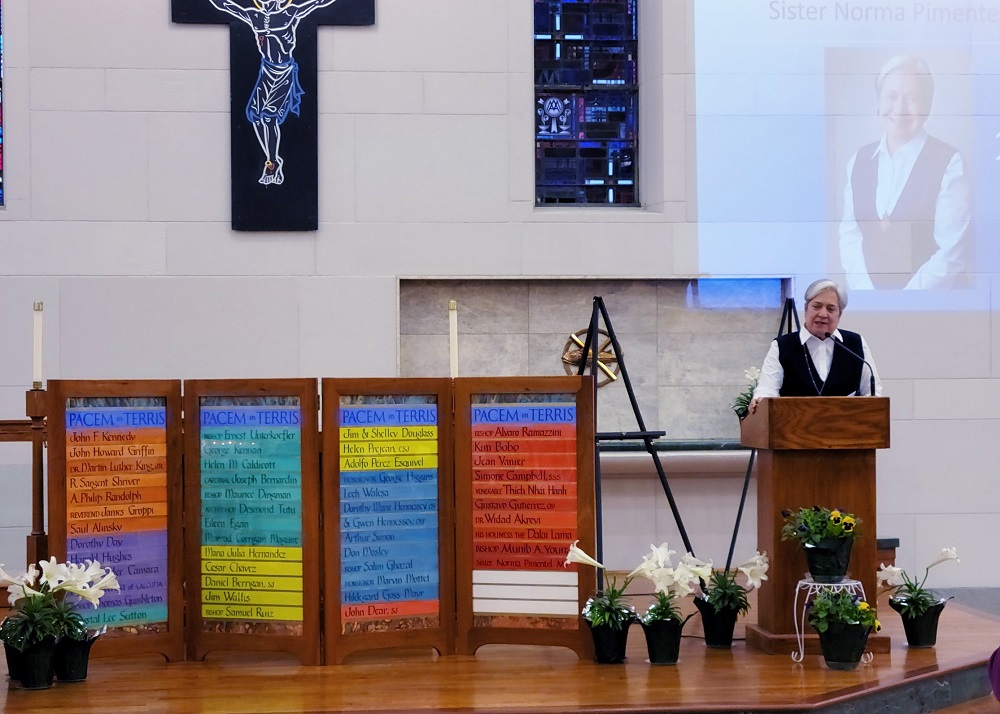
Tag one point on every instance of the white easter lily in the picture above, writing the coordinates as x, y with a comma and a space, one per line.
889, 575
755, 570
701, 568
108, 581
576, 555
6, 579
53, 573
684, 580
946, 555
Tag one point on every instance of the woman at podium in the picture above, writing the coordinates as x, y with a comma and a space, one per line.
820, 360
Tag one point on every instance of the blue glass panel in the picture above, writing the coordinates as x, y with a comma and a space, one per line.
716, 293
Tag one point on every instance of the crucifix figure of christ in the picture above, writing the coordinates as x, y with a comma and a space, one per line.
273, 77
277, 91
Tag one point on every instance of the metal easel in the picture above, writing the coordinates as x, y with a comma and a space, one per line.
589, 357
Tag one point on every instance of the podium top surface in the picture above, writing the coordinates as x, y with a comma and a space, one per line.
818, 423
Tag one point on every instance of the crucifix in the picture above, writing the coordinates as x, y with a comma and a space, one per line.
273, 111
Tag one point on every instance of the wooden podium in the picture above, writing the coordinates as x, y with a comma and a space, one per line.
812, 451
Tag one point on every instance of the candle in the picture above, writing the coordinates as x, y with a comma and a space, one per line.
36, 371
453, 336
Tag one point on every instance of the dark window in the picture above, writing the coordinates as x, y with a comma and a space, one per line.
1, 110
586, 106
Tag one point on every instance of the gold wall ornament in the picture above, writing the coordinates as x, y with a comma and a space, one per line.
607, 360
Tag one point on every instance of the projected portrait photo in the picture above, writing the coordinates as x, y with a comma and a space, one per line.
905, 216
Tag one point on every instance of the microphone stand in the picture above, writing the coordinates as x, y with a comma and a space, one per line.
871, 372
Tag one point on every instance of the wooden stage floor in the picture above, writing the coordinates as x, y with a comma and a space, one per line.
536, 679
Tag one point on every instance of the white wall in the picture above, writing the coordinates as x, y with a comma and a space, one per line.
116, 133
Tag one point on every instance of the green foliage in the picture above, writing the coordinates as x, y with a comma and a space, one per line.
914, 602
840, 606
741, 404
725, 593
68, 621
33, 620
664, 609
811, 525
611, 607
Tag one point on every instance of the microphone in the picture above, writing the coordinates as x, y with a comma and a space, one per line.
871, 372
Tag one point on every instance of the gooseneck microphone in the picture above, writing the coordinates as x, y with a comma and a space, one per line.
841, 345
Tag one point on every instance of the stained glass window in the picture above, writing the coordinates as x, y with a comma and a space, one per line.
586, 102
1, 107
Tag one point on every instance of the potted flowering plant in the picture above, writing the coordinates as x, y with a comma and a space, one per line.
826, 535
843, 621
723, 599
609, 614
919, 607
741, 404
662, 622
45, 625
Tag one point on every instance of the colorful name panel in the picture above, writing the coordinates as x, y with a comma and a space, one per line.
116, 503
389, 513
524, 503
251, 510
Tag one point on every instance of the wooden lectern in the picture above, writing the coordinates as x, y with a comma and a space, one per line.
812, 451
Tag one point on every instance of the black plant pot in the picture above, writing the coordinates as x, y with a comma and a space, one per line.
828, 559
718, 625
36, 665
609, 643
920, 631
663, 640
843, 644
13, 662
71, 658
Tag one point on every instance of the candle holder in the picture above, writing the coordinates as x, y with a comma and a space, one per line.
36, 410
36, 357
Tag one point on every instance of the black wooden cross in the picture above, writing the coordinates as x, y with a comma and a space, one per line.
275, 184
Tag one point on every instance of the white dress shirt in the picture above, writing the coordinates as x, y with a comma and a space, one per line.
952, 217
772, 374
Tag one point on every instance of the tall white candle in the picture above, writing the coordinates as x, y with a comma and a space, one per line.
36, 371
453, 336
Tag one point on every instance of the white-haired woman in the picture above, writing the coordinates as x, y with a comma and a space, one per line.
809, 363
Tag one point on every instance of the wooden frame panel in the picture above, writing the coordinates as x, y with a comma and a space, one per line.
385, 462
500, 472
252, 581
124, 451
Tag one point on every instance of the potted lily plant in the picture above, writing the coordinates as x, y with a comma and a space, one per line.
843, 621
609, 614
826, 535
919, 607
723, 599
45, 633
662, 622
741, 404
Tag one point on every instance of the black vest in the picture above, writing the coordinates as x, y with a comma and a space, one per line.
801, 379
896, 247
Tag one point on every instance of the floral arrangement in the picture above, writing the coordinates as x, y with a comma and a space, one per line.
609, 607
669, 582
811, 525
46, 598
741, 404
723, 590
912, 597
841, 606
